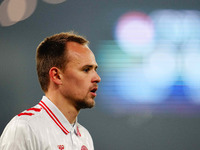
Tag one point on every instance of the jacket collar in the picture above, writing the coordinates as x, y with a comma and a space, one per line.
56, 115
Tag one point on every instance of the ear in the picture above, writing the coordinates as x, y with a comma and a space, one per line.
55, 75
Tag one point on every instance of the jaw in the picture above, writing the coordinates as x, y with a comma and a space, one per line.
87, 102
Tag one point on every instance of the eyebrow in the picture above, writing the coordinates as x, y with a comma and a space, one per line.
91, 66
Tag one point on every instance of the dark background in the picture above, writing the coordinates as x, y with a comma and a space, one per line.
95, 19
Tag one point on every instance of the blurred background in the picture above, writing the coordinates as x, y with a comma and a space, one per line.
149, 61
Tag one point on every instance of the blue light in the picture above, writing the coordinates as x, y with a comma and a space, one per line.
154, 61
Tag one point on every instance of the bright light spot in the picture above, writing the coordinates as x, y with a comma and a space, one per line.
30, 8
54, 1
190, 25
134, 32
192, 69
4, 19
133, 87
176, 26
167, 25
192, 74
13, 11
16, 9
160, 69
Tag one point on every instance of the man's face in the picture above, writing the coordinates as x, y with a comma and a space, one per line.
79, 80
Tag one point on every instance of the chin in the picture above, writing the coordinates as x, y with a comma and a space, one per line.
90, 104
86, 104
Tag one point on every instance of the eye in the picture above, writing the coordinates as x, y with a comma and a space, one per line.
96, 69
86, 70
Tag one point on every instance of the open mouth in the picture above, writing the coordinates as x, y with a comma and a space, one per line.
93, 91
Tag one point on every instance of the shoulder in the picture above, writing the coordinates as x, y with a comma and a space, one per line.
15, 128
30, 113
24, 121
16, 135
21, 129
32, 116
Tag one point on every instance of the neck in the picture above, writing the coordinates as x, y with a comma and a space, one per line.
67, 109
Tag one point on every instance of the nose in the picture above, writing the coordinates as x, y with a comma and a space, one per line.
96, 78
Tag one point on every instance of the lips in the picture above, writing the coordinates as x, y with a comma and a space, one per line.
93, 91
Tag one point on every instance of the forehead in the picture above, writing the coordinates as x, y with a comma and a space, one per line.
80, 54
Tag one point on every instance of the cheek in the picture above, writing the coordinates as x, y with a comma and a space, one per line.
75, 80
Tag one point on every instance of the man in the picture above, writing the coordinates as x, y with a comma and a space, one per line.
66, 70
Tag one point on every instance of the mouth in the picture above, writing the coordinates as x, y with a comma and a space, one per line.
93, 91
